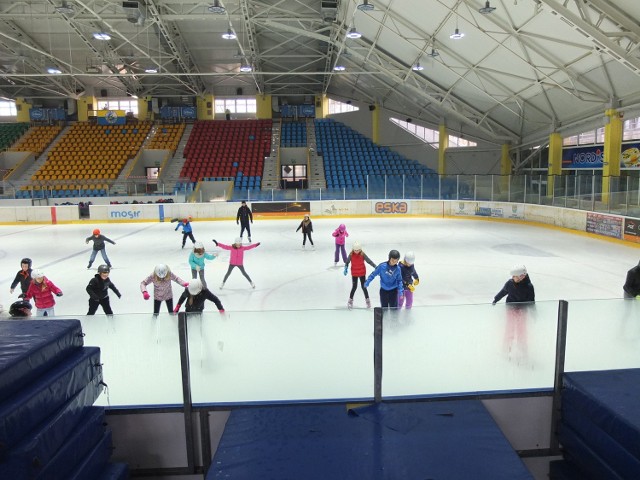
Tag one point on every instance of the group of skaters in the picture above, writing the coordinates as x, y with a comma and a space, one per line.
398, 278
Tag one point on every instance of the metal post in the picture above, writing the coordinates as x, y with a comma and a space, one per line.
385, 187
403, 180
524, 198
183, 338
320, 197
475, 187
421, 186
492, 177
205, 439
509, 190
593, 193
377, 354
626, 198
458, 187
561, 347
566, 192
540, 190
367, 186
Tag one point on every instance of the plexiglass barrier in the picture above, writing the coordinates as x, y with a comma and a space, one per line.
317, 355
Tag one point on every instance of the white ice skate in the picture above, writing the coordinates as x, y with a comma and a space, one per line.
350, 304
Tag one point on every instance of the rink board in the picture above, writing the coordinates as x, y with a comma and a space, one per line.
28, 348
453, 440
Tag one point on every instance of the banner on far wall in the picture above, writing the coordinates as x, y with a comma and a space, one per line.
111, 117
606, 225
488, 209
632, 230
592, 157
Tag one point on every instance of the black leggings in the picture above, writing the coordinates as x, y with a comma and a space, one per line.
305, 236
103, 302
241, 268
354, 286
157, 303
190, 236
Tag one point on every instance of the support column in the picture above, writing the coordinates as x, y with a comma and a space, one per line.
555, 161
612, 151
322, 106
23, 108
263, 107
204, 107
505, 168
443, 144
375, 124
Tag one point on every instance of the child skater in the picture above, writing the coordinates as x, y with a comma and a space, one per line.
518, 288
196, 261
187, 231
236, 258
98, 246
307, 227
341, 235
194, 297
390, 281
42, 291
98, 290
409, 279
23, 277
357, 258
162, 292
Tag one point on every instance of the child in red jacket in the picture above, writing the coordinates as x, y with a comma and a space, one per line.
357, 258
42, 291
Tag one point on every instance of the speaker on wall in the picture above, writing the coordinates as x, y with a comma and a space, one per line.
372, 108
239, 91
103, 92
318, 104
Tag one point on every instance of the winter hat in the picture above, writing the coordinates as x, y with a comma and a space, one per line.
238, 241
37, 274
394, 254
342, 227
518, 270
409, 258
96, 231
356, 246
195, 286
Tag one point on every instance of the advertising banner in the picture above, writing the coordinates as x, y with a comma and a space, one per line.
488, 209
632, 230
592, 157
606, 225
111, 117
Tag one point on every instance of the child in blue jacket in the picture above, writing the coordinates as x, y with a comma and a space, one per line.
390, 281
196, 262
186, 231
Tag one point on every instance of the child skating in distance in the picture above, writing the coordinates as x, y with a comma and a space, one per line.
23, 277
194, 297
99, 246
307, 227
390, 281
196, 261
518, 289
42, 291
357, 259
236, 258
187, 231
161, 279
340, 235
410, 279
98, 290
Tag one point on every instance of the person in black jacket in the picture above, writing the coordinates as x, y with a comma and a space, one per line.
243, 218
98, 246
519, 289
194, 297
23, 277
98, 290
307, 227
632, 284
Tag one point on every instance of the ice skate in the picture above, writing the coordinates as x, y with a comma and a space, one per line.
249, 239
221, 285
368, 302
253, 285
350, 304
303, 246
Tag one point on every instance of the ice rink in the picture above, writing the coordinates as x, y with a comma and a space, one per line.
459, 261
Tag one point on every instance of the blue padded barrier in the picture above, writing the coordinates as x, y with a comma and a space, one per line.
95, 462
22, 412
115, 471
563, 470
39, 447
578, 453
27, 352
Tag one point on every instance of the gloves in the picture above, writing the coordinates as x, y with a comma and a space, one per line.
416, 282
215, 241
59, 294
258, 244
411, 287
185, 284
146, 295
346, 269
175, 310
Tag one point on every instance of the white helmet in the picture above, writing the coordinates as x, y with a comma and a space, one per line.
518, 270
195, 286
238, 241
198, 245
37, 273
161, 270
410, 258
356, 246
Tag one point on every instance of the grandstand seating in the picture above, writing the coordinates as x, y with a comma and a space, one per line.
166, 137
293, 134
87, 157
220, 148
37, 139
10, 132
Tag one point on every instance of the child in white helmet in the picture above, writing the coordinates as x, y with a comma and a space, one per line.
410, 279
196, 261
162, 291
518, 289
357, 258
194, 297
42, 291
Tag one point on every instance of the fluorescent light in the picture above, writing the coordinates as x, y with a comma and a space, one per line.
150, 70
54, 71
417, 67
365, 6
101, 36
457, 34
339, 68
487, 9
353, 33
246, 68
229, 35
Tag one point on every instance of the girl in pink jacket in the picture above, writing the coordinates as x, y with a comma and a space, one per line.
341, 235
237, 258
42, 291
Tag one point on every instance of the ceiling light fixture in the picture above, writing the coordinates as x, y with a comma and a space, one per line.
457, 34
434, 53
339, 68
487, 9
54, 71
246, 68
365, 6
65, 8
101, 36
229, 35
417, 67
217, 8
353, 33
